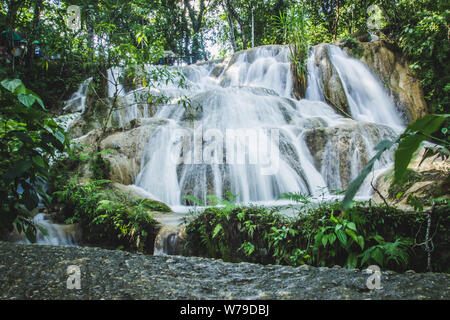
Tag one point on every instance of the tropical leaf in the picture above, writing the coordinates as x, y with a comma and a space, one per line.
415, 134
356, 184
217, 230
11, 85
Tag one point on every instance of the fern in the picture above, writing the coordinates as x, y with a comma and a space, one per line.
296, 197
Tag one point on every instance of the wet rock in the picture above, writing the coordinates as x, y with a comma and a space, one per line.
330, 81
341, 152
128, 148
40, 272
429, 180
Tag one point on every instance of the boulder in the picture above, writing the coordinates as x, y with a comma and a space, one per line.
137, 193
331, 84
429, 180
342, 151
170, 241
128, 148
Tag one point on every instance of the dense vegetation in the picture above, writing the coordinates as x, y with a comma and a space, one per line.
122, 32
321, 235
110, 218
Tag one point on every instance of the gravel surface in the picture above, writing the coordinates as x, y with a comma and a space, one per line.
40, 272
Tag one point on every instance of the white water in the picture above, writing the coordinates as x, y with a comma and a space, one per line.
77, 102
368, 101
254, 92
57, 234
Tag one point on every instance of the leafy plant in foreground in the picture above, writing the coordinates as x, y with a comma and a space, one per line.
408, 143
29, 140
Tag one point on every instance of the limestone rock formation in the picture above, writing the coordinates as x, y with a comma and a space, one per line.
128, 148
387, 62
333, 90
429, 180
341, 152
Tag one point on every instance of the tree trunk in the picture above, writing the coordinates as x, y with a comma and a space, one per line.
196, 20
230, 24
13, 8
34, 32
336, 26
239, 21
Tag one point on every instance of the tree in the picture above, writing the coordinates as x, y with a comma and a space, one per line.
29, 140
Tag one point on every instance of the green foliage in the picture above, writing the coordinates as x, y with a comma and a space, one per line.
408, 143
411, 139
356, 184
424, 37
320, 235
100, 167
110, 218
354, 46
293, 25
153, 205
29, 140
297, 197
387, 252
342, 230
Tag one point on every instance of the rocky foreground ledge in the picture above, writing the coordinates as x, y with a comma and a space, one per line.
40, 272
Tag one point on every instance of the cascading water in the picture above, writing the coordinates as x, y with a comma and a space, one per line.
250, 135
368, 101
77, 102
57, 234
253, 96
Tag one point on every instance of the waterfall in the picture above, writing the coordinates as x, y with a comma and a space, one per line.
57, 234
77, 102
313, 91
368, 100
253, 138
243, 131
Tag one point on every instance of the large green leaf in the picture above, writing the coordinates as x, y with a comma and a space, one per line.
356, 184
30, 199
415, 134
12, 85
325, 240
25, 96
20, 167
217, 230
27, 99
30, 233
342, 237
36, 97
39, 161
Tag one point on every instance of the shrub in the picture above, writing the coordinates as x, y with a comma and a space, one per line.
109, 218
320, 235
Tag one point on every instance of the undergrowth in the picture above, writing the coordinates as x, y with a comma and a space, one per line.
320, 235
108, 217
